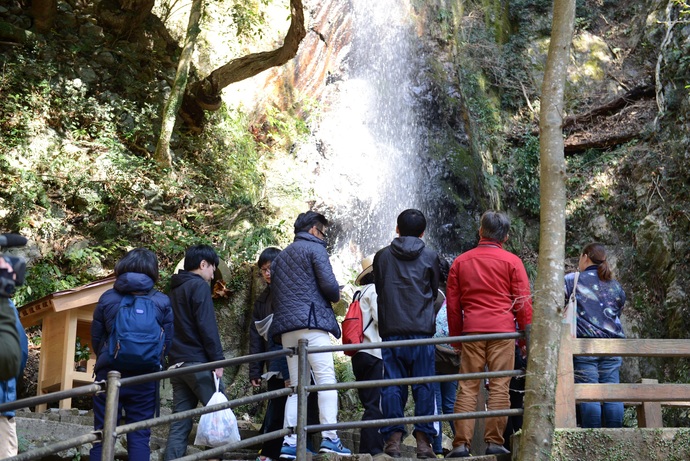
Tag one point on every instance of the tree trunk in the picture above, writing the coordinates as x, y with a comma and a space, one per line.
43, 12
162, 155
205, 94
124, 17
542, 366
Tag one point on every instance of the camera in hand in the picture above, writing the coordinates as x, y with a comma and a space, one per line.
9, 281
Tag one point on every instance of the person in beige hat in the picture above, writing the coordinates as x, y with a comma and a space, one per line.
367, 364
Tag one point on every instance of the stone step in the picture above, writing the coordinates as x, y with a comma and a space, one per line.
384, 457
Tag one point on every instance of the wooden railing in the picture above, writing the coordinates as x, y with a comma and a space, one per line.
648, 395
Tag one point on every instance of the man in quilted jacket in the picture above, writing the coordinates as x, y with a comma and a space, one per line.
304, 287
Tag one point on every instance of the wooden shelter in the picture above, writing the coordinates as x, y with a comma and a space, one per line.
64, 316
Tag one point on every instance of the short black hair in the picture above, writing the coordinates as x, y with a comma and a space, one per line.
141, 261
444, 266
495, 225
306, 221
267, 256
197, 253
411, 223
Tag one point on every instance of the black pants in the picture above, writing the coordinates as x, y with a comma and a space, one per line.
275, 413
366, 367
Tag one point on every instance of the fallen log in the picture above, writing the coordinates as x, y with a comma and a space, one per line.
611, 107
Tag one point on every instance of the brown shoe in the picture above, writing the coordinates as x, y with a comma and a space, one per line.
424, 449
392, 446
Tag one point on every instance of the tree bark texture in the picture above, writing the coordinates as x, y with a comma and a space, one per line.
162, 154
542, 366
125, 17
205, 94
43, 12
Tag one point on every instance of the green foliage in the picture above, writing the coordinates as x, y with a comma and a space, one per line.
75, 162
81, 351
520, 173
247, 17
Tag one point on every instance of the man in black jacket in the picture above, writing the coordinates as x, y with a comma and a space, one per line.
196, 340
406, 275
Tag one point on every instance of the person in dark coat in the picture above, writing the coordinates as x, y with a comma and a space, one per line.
276, 371
137, 273
196, 341
9, 444
367, 364
304, 287
406, 275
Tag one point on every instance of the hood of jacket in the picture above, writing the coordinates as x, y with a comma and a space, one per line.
182, 277
407, 248
133, 282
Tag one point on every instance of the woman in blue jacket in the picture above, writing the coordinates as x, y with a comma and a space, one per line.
137, 273
600, 299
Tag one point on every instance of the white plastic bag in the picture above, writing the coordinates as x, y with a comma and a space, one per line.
217, 428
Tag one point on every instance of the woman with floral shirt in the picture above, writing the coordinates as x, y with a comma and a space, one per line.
600, 300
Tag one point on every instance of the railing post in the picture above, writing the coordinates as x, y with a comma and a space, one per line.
565, 384
302, 381
649, 413
112, 395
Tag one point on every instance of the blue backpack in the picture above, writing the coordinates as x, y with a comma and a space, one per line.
136, 342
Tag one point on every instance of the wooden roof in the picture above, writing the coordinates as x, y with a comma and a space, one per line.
86, 295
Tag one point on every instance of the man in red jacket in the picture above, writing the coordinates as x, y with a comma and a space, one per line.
488, 292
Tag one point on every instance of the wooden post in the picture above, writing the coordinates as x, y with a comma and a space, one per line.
649, 413
565, 387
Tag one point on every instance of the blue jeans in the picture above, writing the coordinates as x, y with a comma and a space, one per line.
407, 362
445, 400
603, 370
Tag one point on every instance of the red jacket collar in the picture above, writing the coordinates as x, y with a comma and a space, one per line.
490, 242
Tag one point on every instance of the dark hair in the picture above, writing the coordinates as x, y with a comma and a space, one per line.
197, 253
444, 266
494, 225
267, 256
367, 279
597, 253
139, 260
411, 223
306, 221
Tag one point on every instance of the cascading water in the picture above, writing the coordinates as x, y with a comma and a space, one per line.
370, 137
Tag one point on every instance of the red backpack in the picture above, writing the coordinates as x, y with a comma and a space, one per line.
352, 326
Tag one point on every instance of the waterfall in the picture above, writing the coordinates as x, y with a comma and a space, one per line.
370, 137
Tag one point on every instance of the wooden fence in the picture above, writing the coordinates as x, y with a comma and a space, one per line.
648, 395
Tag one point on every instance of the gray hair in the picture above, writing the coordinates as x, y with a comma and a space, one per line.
495, 226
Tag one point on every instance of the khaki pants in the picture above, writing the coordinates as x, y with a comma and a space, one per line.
499, 355
8, 437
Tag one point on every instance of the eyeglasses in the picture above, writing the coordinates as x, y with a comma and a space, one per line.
265, 270
323, 235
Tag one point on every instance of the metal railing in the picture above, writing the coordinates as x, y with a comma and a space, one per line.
111, 431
